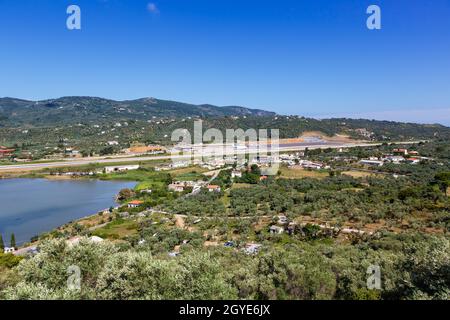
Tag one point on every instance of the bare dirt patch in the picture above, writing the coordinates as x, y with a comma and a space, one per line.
179, 221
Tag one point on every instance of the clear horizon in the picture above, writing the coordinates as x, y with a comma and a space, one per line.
309, 58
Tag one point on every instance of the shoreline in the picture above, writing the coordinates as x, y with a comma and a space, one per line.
25, 243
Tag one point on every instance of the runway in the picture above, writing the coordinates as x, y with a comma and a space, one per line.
211, 151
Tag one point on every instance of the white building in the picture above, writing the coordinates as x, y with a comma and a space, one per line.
121, 168
276, 230
372, 163
213, 188
176, 187
236, 174
394, 159
9, 250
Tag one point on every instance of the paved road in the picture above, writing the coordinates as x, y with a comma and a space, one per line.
124, 159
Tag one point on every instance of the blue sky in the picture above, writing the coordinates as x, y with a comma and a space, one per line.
306, 57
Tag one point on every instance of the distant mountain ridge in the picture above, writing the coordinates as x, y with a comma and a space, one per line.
19, 112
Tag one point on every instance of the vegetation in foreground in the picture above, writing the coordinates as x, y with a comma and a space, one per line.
181, 246
414, 267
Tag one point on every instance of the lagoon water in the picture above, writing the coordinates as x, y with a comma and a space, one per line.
29, 207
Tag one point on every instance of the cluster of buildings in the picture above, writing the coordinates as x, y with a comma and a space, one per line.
306, 164
398, 156
124, 168
109, 169
291, 159
211, 163
296, 161
173, 165
75, 173
6, 152
181, 186
364, 132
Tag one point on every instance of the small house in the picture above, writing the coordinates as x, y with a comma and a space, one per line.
121, 168
176, 187
9, 250
394, 159
236, 174
276, 230
403, 152
371, 163
135, 203
214, 188
413, 160
5, 152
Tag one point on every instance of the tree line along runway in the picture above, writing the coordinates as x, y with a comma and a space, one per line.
197, 154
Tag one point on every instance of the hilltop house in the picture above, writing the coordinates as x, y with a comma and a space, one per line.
135, 203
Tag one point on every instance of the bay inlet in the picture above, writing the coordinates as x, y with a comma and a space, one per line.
29, 207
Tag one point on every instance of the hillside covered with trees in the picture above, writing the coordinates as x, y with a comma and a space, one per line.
37, 129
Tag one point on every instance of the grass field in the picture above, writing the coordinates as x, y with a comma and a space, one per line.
118, 229
240, 185
302, 173
360, 174
189, 176
177, 172
147, 179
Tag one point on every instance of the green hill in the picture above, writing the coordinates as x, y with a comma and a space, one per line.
72, 110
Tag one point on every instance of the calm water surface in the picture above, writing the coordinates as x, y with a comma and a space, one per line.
29, 207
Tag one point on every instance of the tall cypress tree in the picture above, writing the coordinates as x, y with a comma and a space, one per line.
13, 240
2, 244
